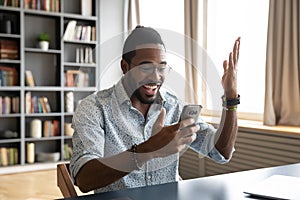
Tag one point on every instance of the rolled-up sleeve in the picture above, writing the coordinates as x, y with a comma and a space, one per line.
205, 143
88, 138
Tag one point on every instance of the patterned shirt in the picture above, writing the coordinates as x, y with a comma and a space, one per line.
105, 124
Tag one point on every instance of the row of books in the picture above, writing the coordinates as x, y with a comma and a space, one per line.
78, 32
51, 128
67, 151
84, 55
13, 3
46, 5
9, 49
9, 156
78, 78
36, 104
8, 76
9, 105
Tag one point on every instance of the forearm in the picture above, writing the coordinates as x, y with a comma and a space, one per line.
101, 172
228, 133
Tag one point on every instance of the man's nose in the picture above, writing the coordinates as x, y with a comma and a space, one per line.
155, 75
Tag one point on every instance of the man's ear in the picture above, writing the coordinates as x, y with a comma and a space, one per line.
124, 66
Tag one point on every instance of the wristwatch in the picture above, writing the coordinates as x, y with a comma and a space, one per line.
230, 102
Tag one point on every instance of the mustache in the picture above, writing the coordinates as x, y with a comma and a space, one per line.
149, 82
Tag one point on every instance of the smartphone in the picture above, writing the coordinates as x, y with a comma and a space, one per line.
190, 111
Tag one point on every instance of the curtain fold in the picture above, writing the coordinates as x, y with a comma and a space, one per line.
132, 14
191, 48
282, 97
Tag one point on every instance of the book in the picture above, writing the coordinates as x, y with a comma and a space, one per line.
47, 104
7, 104
8, 76
43, 104
93, 33
78, 32
70, 31
29, 78
16, 104
1, 112
86, 7
9, 49
4, 158
28, 102
76, 78
46, 128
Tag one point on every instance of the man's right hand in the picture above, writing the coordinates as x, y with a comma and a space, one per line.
169, 139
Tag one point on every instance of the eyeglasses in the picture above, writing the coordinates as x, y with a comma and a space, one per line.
148, 68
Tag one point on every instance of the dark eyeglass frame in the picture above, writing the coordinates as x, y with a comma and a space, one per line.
148, 68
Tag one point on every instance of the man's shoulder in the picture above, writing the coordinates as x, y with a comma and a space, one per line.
105, 93
99, 96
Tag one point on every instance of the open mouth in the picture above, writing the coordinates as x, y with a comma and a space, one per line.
151, 88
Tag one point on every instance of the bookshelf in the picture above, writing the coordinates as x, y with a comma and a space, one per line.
65, 73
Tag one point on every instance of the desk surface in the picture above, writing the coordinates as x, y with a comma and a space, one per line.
219, 187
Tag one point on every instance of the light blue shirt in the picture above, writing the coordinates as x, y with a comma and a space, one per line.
105, 124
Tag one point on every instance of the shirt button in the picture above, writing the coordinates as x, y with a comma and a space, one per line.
149, 177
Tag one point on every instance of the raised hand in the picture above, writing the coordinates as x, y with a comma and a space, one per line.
229, 79
170, 139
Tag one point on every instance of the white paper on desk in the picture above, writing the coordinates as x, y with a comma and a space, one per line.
277, 187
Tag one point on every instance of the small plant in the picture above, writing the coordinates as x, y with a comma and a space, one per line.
43, 37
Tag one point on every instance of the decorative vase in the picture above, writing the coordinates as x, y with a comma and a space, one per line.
44, 45
30, 153
69, 99
36, 128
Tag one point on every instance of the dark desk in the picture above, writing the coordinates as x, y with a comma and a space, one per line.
219, 187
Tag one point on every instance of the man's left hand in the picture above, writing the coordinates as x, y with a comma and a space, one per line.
229, 79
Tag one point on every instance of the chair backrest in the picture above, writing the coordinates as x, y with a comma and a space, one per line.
64, 181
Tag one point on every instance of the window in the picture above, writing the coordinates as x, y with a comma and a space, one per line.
169, 21
226, 20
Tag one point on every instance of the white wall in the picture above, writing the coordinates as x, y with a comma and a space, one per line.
111, 41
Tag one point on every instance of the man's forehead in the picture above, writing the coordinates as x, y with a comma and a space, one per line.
151, 50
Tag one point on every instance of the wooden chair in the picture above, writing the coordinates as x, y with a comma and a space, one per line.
64, 181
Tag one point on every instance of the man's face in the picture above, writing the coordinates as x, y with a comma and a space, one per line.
147, 72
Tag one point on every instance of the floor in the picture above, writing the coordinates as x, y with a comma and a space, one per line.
37, 185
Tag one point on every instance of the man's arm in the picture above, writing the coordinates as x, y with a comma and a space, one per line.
228, 127
101, 172
168, 140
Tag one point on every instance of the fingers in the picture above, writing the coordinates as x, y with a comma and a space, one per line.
231, 61
189, 139
233, 56
225, 65
186, 122
188, 130
159, 123
161, 118
236, 50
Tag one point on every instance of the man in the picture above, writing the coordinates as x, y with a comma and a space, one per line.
130, 135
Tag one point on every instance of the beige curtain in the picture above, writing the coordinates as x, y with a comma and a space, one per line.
191, 38
132, 9
282, 99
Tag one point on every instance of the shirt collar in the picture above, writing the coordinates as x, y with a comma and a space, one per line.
122, 96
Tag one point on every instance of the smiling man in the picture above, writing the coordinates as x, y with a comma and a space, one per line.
130, 134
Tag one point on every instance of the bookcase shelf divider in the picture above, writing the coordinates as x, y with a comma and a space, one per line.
48, 70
